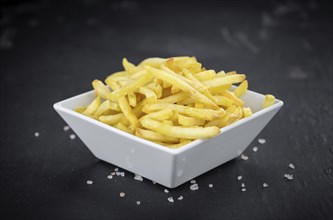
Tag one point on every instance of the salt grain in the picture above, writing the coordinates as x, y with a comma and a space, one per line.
243, 189
264, 185
288, 176
166, 191
243, 157
138, 202
154, 182
170, 199
239, 177
261, 141
110, 177
180, 198
36, 134
113, 173
138, 177
243, 185
291, 166
122, 174
194, 187
66, 128
210, 185
89, 182
193, 181
72, 136
122, 194
255, 149
116, 169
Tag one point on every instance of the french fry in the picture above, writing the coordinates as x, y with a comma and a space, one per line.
122, 127
205, 114
231, 96
131, 99
92, 107
150, 95
180, 132
205, 75
100, 89
173, 98
131, 87
189, 121
111, 119
223, 101
221, 81
154, 136
160, 115
247, 112
126, 109
269, 101
241, 89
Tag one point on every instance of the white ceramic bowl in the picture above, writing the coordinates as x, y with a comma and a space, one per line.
169, 167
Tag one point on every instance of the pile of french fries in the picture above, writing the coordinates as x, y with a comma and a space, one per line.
170, 101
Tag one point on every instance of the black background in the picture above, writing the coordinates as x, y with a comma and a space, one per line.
52, 50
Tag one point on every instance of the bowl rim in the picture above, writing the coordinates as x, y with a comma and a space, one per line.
174, 151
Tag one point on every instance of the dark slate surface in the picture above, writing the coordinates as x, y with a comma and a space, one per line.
52, 50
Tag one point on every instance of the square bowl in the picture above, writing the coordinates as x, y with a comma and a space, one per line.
168, 167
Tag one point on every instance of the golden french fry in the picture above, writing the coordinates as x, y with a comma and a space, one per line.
221, 81
189, 121
205, 114
130, 67
269, 101
104, 107
122, 127
111, 119
154, 136
173, 98
180, 132
150, 95
223, 101
175, 146
205, 75
241, 89
100, 89
247, 112
126, 109
219, 89
131, 87
154, 62
168, 122
231, 96
132, 99
92, 107
160, 115
80, 109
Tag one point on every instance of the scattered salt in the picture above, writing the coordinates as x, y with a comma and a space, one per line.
194, 187
210, 185
36, 134
255, 149
116, 169
193, 181
110, 177
72, 136
180, 198
261, 141
113, 173
243, 157
243, 189
120, 174
243, 185
122, 194
138, 177
89, 182
239, 177
288, 176
166, 191
170, 199
138, 202
291, 166
264, 185
66, 128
